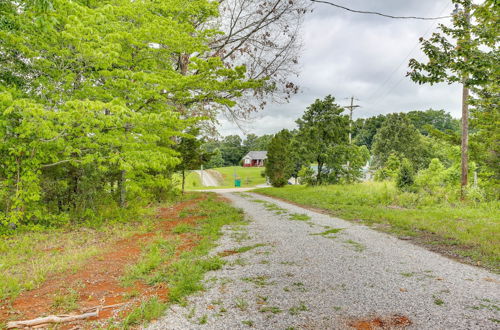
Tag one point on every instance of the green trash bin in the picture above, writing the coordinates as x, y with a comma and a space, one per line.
237, 182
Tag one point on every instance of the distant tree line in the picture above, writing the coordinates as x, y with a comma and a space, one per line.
231, 149
419, 150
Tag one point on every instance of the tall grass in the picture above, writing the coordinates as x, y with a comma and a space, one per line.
475, 227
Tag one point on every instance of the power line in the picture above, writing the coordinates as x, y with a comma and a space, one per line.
380, 88
377, 13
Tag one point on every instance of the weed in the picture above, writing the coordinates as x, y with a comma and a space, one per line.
148, 311
248, 323
258, 280
328, 232
297, 309
270, 309
244, 249
241, 304
240, 262
438, 301
337, 308
299, 217
191, 313
203, 319
132, 294
66, 302
409, 274
358, 247
183, 228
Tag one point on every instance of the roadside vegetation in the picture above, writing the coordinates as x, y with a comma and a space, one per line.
466, 230
249, 177
168, 266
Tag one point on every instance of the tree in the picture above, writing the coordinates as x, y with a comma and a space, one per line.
469, 61
216, 159
405, 178
321, 128
232, 150
280, 164
398, 136
191, 154
101, 80
365, 129
264, 36
430, 119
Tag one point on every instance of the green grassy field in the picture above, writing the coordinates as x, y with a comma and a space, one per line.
468, 231
250, 177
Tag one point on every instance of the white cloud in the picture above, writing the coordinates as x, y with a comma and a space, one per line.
366, 56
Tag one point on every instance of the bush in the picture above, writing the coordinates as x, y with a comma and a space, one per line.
307, 176
405, 178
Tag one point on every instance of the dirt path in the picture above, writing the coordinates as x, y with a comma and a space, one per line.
208, 180
293, 268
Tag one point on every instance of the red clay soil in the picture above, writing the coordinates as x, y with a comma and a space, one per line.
97, 283
391, 322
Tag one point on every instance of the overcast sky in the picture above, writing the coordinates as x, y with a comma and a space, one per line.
364, 56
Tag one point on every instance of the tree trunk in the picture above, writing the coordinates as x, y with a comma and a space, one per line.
318, 175
123, 189
183, 180
465, 142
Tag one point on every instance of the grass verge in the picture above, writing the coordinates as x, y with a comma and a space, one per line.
27, 259
469, 232
182, 274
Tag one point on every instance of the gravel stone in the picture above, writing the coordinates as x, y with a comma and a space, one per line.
301, 279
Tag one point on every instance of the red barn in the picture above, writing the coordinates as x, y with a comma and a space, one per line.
255, 159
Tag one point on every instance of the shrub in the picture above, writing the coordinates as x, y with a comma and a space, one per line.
405, 178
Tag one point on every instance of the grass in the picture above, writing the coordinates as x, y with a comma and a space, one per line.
467, 230
329, 232
297, 309
358, 247
249, 176
27, 259
299, 217
183, 274
249, 247
66, 302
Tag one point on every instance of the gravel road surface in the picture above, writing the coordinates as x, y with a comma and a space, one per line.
299, 269
208, 179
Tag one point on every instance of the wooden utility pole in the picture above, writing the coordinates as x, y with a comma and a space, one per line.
465, 116
351, 109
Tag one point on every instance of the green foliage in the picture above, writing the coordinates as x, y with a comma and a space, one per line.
322, 128
390, 169
405, 178
280, 163
94, 98
216, 159
398, 136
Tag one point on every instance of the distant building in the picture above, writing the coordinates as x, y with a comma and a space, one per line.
255, 159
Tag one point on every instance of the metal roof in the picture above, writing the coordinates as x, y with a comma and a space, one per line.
256, 155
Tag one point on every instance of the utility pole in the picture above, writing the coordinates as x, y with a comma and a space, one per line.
351, 109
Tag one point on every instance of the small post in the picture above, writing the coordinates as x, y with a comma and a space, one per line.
201, 175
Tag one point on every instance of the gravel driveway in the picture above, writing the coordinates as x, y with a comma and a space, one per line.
298, 269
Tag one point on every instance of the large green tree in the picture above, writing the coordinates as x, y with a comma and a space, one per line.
280, 164
398, 136
321, 128
95, 89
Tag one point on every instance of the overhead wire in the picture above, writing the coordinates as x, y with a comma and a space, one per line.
377, 13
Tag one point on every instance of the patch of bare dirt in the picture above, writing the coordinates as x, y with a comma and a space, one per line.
388, 322
98, 283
